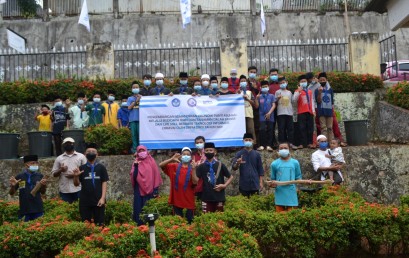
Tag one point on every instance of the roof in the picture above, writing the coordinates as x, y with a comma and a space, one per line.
377, 6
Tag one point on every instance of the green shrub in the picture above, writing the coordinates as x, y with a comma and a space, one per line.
398, 95
109, 139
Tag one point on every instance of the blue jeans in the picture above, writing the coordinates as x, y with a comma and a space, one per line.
70, 197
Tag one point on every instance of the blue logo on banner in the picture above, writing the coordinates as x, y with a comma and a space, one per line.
176, 102
191, 102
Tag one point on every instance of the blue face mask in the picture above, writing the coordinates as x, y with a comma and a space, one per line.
283, 86
252, 75
111, 98
304, 84
33, 168
323, 145
224, 85
274, 78
264, 90
135, 91
124, 104
159, 82
284, 153
199, 146
243, 84
197, 87
147, 83
248, 144
214, 86
183, 82
186, 158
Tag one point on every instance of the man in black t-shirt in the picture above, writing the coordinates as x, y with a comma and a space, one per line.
93, 177
212, 173
31, 207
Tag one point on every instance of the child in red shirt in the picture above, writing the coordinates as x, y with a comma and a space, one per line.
179, 169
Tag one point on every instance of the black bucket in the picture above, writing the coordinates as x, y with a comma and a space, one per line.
40, 143
356, 132
9, 145
78, 136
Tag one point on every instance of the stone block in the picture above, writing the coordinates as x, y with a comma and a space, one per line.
391, 123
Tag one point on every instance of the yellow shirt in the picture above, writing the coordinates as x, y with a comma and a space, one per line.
45, 123
111, 113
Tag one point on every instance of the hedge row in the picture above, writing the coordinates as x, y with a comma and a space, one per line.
28, 91
398, 95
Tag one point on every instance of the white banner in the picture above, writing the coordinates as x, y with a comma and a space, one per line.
84, 17
186, 10
174, 122
16, 41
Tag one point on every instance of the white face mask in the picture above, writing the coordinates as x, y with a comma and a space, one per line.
205, 83
96, 100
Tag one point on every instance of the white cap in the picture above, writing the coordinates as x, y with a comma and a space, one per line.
159, 75
68, 139
234, 70
205, 76
186, 148
321, 136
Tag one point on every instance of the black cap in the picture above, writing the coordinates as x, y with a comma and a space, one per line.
264, 82
248, 135
281, 79
213, 78
183, 75
46, 106
209, 145
81, 95
29, 158
224, 79
302, 77
323, 74
309, 75
243, 77
91, 145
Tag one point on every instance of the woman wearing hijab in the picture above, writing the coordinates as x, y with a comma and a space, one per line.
145, 178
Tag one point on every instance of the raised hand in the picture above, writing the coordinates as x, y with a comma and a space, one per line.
63, 168
14, 181
77, 172
176, 157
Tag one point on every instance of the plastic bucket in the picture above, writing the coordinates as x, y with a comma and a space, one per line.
78, 136
40, 143
9, 145
356, 132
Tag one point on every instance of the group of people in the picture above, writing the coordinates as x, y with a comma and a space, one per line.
268, 104
192, 173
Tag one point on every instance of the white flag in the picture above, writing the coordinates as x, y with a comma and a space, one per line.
84, 18
3, 1
263, 20
186, 10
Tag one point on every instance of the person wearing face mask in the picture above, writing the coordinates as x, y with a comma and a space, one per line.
160, 88
254, 86
233, 81
199, 157
197, 88
96, 111
214, 86
250, 166
265, 102
60, 119
63, 168
93, 177
145, 179
111, 110
285, 113
224, 87
273, 88
30, 207
322, 164
123, 113
179, 169
249, 104
324, 97
285, 168
79, 118
306, 112
205, 80
144, 90
213, 174
43, 117
133, 107
184, 88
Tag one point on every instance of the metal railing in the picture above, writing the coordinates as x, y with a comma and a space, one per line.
298, 56
323, 5
131, 61
45, 65
389, 57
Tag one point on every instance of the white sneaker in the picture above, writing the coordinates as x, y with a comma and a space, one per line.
261, 148
269, 148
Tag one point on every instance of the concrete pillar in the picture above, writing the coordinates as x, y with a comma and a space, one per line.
1, 12
100, 60
233, 54
364, 53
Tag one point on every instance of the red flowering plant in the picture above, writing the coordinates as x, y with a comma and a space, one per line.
398, 95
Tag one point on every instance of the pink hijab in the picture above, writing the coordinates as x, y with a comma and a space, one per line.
148, 173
